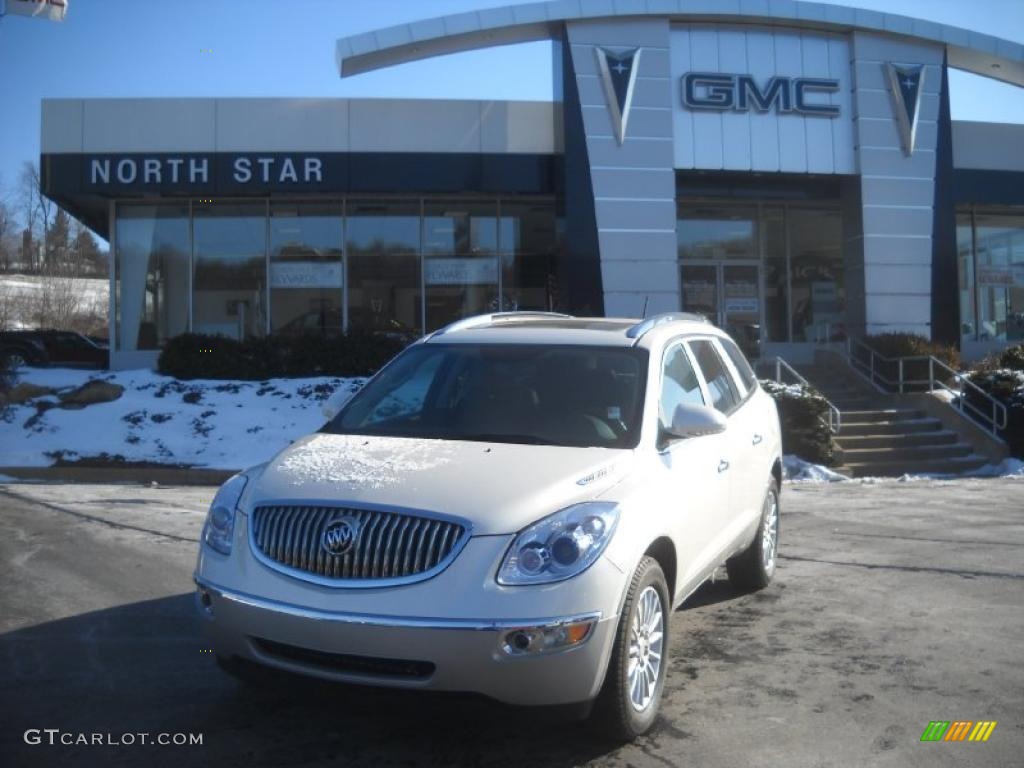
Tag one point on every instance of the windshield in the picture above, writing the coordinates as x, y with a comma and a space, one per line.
543, 395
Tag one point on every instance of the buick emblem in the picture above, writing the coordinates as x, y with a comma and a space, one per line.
339, 536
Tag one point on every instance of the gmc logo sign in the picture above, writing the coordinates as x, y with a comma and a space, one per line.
741, 93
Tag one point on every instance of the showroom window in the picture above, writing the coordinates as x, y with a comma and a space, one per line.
295, 267
526, 244
817, 300
151, 275
229, 290
306, 269
383, 246
990, 247
460, 259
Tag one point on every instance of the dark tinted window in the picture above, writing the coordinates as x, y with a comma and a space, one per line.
721, 387
746, 373
578, 396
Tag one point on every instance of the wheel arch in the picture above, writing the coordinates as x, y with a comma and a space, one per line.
663, 550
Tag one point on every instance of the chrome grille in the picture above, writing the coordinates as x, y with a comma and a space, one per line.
388, 546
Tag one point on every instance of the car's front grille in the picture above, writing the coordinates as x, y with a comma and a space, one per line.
347, 663
366, 547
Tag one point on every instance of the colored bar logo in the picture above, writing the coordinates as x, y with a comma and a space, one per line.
958, 730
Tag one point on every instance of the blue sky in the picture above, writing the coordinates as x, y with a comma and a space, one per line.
286, 48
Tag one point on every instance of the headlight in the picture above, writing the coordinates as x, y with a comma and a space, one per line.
220, 520
560, 546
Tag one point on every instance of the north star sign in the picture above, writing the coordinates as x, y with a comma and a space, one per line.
196, 170
742, 93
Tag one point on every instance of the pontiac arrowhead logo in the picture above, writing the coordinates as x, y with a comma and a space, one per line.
906, 83
618, 75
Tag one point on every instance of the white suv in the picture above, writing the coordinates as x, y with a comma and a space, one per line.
513, 506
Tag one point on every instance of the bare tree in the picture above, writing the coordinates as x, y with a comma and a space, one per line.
28, 204
6, 226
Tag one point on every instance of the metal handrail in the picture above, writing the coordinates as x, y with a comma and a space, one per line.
835, 416
996, 421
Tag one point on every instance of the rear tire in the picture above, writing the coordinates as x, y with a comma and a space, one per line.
754, 568
631, 695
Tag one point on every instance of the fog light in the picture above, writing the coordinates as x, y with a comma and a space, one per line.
530, 641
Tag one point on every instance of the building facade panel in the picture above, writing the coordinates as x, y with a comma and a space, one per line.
778, 63
62, 124
281, 125
162, 125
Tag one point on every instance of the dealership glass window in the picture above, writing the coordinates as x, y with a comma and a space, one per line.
151, 275
306, 270
527, 244
817, 299
790, 287
965, 271
229, 290
999, 271
460, 259
776, 278
382, 240
717, 232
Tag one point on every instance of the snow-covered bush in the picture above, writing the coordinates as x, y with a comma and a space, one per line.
1007, 386
803, 417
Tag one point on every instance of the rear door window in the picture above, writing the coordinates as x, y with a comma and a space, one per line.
722, 389
747, 376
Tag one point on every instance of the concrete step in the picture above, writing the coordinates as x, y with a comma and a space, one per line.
873, 428
906, 455
883, 414
901, 440
845, 404
899, 468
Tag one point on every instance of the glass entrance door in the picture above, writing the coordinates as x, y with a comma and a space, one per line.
729, 295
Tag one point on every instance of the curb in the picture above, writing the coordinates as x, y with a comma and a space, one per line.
130, 475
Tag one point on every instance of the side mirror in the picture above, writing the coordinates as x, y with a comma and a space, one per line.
695, 421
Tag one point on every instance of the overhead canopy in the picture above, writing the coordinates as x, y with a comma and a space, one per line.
971, 51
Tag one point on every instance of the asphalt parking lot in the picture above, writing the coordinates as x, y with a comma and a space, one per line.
895, 604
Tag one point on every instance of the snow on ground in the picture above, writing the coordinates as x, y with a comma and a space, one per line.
796, 470
215, 424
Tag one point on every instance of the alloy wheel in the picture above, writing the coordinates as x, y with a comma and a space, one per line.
646, 643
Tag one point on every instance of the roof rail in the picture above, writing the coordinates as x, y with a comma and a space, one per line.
481, 320
641, 328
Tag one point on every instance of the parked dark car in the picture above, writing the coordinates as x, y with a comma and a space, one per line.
56, 348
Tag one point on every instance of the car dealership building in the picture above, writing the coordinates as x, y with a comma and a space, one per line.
788, 169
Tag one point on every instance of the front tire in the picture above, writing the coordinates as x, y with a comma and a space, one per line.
754, 568
631, 696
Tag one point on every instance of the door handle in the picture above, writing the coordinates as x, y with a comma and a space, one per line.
757, 439
722, 466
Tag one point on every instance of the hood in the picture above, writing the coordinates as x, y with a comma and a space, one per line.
499, 488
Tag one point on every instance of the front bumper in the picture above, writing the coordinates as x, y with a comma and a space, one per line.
407, 652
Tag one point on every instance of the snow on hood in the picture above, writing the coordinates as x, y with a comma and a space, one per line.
499, 487
356, 462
